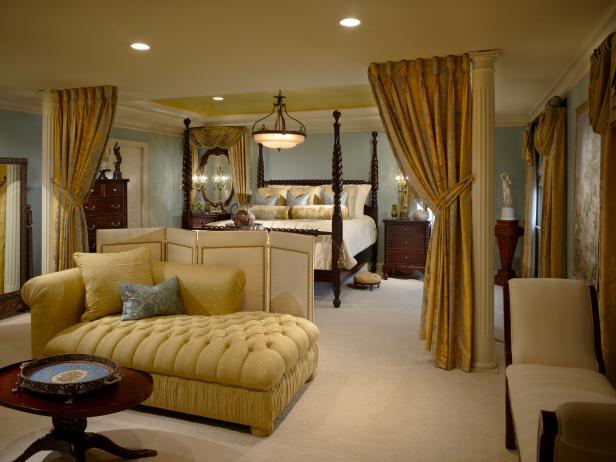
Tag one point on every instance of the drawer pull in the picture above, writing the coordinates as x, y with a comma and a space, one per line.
90, 208
406, 243
405, 229
91, 227
114, 189
115, 224
115, 206
405, 258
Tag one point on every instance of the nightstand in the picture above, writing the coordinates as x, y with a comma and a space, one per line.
204, 219
406, 246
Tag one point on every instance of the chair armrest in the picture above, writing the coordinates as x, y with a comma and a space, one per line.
56, 301
578, 431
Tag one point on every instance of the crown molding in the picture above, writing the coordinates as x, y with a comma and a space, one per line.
512, 120
580, 65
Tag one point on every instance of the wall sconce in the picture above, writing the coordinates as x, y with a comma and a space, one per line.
404, 195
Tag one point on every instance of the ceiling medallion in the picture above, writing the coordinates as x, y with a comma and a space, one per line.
277, 136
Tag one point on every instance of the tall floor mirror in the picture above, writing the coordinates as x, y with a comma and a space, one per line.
15, 232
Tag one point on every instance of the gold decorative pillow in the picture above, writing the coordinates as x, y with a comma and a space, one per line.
270, 212
281, 191
101, 273
315, 193
204, 290
317, 212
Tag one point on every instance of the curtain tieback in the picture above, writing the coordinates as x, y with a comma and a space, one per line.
76, 200
447, 198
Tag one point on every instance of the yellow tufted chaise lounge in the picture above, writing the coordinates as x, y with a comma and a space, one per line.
242, 367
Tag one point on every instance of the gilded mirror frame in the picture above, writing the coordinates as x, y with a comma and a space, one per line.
11, 301
202, 164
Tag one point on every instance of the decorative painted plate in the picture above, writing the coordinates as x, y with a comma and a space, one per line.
68, 375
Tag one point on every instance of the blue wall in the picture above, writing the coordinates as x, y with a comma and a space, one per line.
20, 136
312, 159
165, 175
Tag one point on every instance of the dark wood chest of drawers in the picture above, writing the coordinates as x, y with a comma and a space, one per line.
406, 246
106, 208
203, 219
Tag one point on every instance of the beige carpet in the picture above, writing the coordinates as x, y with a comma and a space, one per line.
376, 398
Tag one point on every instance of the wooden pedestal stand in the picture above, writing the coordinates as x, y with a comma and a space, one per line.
507, 234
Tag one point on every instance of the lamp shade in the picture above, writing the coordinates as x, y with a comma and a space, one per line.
279, 140
275, 134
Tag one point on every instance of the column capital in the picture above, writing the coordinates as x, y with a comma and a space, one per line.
484, 59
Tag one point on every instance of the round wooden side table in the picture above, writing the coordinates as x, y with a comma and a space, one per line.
70, 419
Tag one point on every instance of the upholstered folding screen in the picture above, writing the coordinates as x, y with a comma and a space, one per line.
247, 250
291, 274
121, 240
181, 245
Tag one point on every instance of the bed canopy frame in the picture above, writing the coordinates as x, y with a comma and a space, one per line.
337, 274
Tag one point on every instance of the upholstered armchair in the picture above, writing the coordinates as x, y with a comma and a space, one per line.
559, 404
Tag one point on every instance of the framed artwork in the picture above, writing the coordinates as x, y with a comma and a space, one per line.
586, 199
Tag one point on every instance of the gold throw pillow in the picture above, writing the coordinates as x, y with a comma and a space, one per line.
270, 212
317, 212
101, 273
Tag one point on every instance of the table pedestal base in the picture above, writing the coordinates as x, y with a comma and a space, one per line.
69, 436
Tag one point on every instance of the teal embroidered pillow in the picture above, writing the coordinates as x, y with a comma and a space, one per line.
139, 301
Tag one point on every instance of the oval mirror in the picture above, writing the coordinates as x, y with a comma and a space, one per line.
215, 170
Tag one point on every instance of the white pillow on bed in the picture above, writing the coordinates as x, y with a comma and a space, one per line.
360, 199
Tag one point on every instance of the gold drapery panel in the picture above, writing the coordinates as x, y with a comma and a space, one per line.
550, 141
232, 138
426, 111
2, 222
82, 120
529, 211
602, 113
547, 136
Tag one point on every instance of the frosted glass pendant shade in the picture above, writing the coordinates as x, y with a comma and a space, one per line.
279, 140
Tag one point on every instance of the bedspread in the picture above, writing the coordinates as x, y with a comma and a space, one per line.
357, 234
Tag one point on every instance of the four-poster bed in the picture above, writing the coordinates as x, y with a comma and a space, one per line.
360, 243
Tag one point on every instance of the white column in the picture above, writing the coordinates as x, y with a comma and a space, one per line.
483, 207
12, 231
46, 186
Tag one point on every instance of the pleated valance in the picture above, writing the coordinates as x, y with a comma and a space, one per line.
231, 138
602, 87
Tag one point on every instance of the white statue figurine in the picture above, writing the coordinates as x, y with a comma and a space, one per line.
507, 209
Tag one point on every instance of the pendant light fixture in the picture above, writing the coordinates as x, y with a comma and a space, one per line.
276, 135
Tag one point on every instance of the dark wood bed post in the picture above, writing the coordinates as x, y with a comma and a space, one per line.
187, 177
337, 185
260, 169
374, 181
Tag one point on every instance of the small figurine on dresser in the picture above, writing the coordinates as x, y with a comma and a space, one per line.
117, 174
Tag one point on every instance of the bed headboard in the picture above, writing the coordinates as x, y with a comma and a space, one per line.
370, 210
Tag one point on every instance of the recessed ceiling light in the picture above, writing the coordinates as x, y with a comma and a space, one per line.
217, 98
350, 22
140, 46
